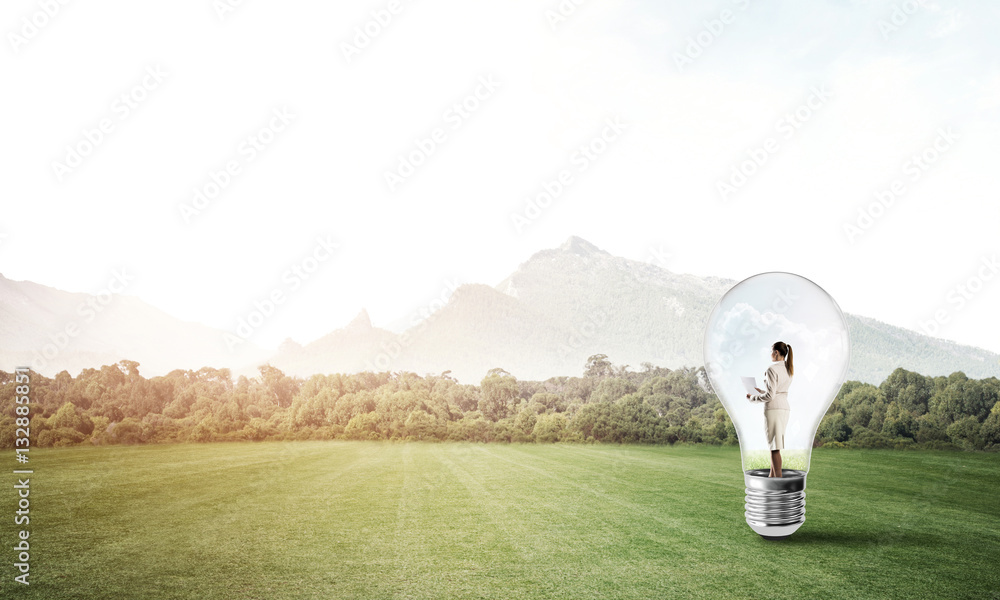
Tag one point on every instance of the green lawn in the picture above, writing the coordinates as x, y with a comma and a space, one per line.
380, 520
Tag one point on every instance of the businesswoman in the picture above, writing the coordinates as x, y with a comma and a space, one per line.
778, 378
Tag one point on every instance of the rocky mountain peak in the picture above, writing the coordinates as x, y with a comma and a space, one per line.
362, 322
580, 246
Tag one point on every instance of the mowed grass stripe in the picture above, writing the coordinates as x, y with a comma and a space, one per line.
817, 577
529, 513
720, 556
596, 486
666, 539
604, 546
910, 517
192, 514
504, 548
382, 520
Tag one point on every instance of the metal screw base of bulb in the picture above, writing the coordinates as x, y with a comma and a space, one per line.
775, 506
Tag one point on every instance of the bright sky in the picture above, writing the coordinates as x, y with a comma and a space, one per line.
489, 104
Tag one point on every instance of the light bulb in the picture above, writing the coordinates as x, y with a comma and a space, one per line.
748, 320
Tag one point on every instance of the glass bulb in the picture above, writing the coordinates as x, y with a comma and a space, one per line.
748, 320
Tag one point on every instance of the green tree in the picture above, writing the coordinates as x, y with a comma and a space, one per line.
910, 390
965, 433
67, 417
551, 402
932, 427
524, 421
834, 428
499, 391
422, 425
594, 422
128, 431
364, 426
899, 422
636, 422
611, 389
281, 387
990, 431
862, 405
598, 367
549, 427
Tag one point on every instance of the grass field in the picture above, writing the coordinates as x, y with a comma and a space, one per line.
337, 520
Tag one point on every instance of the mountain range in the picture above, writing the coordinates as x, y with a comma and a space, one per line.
558, 308
53, 330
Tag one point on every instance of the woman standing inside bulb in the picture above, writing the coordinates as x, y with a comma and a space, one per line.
778, 378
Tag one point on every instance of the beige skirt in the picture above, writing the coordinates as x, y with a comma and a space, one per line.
774, 426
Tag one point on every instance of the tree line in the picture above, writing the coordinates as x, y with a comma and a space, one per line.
117, 405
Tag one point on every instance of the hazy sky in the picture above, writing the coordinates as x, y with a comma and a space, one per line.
638, 116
